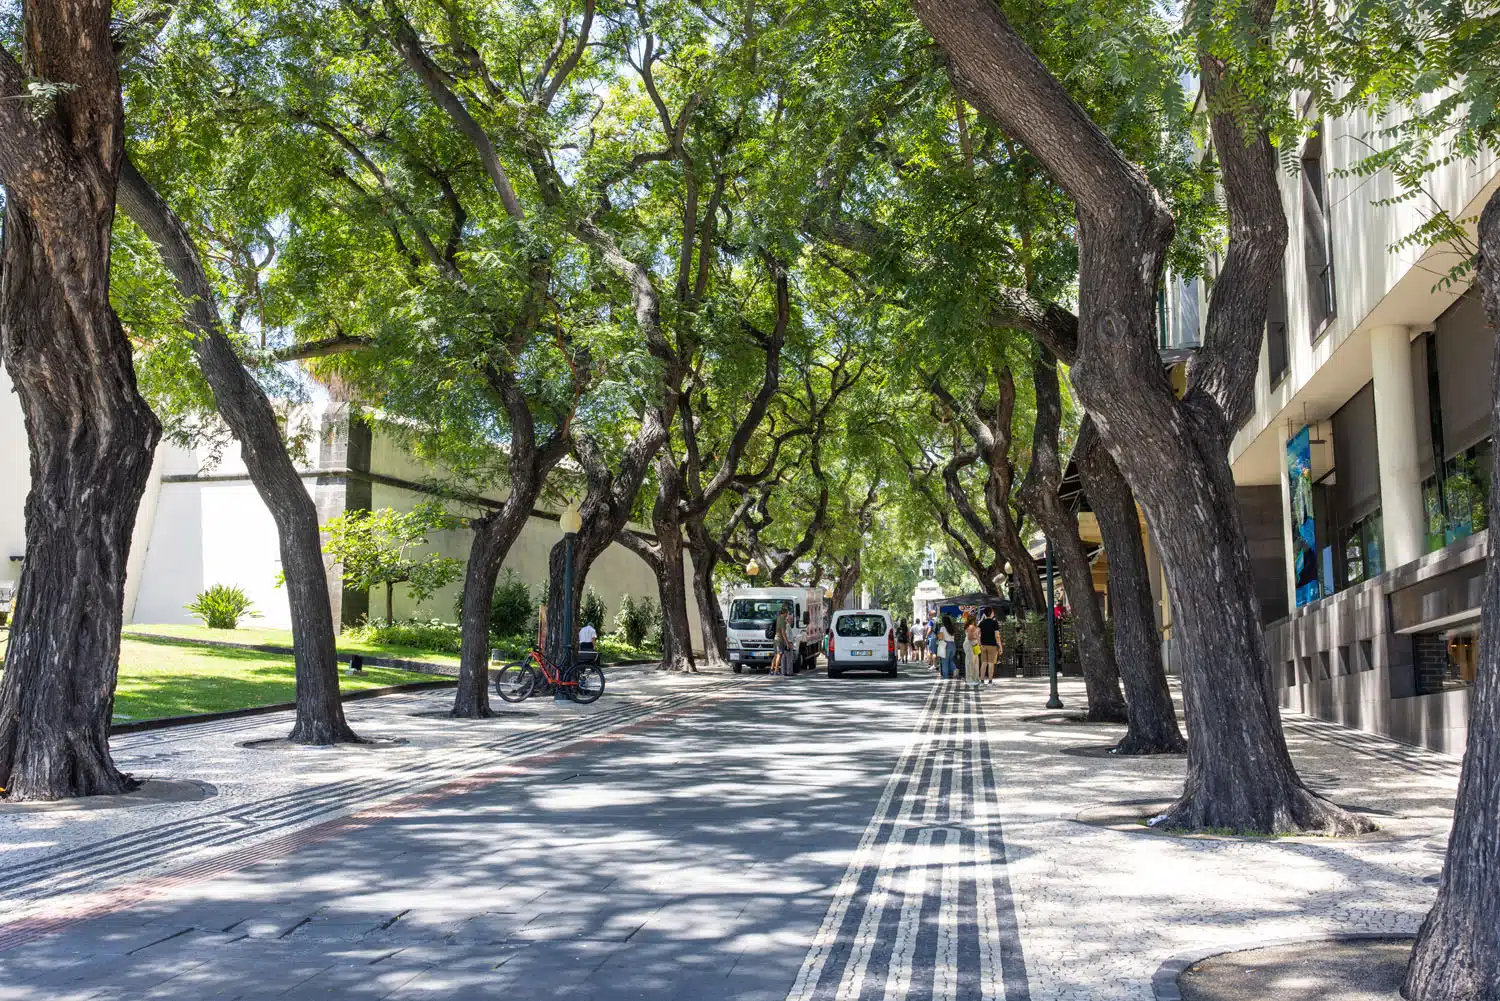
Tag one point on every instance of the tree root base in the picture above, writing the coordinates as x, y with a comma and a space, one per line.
323, 735
1106, 714
474, 712
1295, 811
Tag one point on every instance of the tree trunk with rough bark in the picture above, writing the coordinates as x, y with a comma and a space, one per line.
1457, 955
1173, 452
664, 557
990, 425
1148, 700
710, 615
247, 411
1039, 492
605, 512
90, 434
676, 635
494, 534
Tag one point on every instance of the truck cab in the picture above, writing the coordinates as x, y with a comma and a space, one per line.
751, 622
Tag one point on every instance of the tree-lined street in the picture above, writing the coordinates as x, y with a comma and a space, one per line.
713, 838
1153, 346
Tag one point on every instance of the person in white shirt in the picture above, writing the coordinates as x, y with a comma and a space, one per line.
586, 636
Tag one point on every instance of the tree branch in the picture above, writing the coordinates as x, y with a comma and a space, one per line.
409, 46
322, 348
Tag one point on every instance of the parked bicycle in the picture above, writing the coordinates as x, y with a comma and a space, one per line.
536, 675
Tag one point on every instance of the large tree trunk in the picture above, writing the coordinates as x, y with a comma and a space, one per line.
1031, 596
664, 557
91, 437
605, 512
1457, 955
1152, 717
848, 578
247, 411
1039, 492
676, 635
494, 534
710, 615
90, 433
1173, 452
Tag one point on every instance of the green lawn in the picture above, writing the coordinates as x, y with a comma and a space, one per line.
160, 677
283, 637
168, 679
611, 651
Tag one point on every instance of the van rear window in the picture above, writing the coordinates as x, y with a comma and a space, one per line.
860, 625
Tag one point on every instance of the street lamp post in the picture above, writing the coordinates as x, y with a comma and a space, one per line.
1053, 702
571, 523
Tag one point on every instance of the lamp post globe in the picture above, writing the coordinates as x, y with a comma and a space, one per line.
570, 520
752, 569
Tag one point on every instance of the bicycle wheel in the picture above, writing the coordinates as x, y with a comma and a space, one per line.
515, 682
590, 684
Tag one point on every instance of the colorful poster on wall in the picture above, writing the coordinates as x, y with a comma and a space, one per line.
1304, 538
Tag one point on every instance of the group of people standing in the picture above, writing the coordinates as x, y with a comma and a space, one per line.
968, 649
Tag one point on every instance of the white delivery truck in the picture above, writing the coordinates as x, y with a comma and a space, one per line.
752, 617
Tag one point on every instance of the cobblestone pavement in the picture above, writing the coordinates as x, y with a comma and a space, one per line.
695, 839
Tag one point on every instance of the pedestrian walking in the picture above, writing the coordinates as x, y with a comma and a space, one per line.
990, 646
932, 643
947, 648
783, 659
903, 639
972, 670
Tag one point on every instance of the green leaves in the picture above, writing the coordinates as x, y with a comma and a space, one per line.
375, 547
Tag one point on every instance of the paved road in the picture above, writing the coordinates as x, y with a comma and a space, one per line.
699, 839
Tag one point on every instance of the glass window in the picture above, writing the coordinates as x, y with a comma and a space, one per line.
1446, 659
861, 625
748, 613
1362, 550
1316, 247
1463, 507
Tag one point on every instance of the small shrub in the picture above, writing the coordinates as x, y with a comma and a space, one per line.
434, 635
512, 612
512, 607
638, 622
222, 606
593, 611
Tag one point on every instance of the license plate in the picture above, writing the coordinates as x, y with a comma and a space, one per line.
863, 653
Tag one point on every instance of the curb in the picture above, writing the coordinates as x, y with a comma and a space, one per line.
1164, 980
167, 722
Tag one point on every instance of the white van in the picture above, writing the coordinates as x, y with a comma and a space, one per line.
861, 639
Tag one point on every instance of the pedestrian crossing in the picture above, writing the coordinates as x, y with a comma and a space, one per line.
924, 910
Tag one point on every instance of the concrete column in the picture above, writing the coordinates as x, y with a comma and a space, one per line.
1396, 430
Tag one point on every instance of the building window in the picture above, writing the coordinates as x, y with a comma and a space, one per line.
1446, 659
1277, 352
1460, 507
1362, 550
1316, 246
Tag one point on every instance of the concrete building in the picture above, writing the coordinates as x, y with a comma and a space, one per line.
1364, 467
203, 523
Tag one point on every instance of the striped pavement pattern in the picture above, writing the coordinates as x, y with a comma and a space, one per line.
924, 910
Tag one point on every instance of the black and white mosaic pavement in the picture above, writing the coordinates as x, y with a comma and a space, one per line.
714, 838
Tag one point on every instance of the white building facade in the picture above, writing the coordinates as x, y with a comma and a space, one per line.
203, 523
1364, 468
